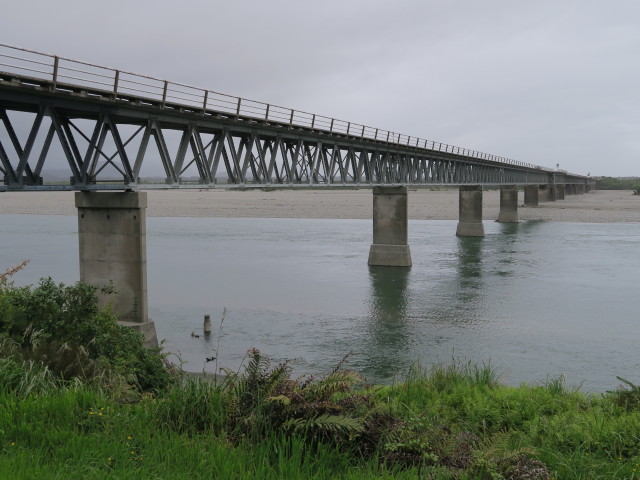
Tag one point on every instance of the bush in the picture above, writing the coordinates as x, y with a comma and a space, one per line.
64, 328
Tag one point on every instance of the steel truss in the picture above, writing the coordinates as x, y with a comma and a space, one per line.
217, 150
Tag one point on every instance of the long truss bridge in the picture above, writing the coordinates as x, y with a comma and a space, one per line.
104, 128
104, 120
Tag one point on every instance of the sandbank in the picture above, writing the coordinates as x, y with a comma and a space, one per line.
600, 206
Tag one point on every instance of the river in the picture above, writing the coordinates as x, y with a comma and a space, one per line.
535, 300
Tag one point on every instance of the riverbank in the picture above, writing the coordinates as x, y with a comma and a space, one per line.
451, 422
604, 206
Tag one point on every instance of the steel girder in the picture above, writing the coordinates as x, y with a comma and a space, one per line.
215, 150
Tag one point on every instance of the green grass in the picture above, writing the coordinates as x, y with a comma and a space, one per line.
78, 433
75, 430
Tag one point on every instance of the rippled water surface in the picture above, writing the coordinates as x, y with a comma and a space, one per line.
535, 299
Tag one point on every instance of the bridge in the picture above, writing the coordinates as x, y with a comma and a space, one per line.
103, 120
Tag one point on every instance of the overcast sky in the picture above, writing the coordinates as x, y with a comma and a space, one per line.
544, 82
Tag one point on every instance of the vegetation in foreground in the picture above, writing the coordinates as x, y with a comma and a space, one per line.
81, 398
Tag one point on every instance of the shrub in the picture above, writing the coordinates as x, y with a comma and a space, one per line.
64, 328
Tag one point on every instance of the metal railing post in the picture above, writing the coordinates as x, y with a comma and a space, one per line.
55, 71
238, 107
313, 121
331, 126
115, 83
204, 102
164, 93
266, 113
291, 118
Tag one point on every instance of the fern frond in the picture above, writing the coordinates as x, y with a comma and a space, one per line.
327, 423
338, 382
281, 399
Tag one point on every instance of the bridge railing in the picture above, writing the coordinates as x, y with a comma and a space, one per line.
67, 74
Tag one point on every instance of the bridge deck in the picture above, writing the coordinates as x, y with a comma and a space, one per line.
224, 141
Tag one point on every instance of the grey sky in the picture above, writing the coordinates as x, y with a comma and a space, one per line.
544, 82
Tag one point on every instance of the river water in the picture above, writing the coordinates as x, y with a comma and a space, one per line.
535, 300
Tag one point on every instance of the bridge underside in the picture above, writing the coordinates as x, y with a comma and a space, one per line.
104, 144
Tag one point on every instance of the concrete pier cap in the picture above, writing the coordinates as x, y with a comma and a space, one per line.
390, 245
113, 249
470, 212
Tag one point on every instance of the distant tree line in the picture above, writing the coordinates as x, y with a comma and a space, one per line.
612, 183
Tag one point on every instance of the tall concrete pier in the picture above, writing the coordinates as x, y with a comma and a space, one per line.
508, 204
531, 195
470, 212
390, 228
545, 193
551, 189
112, 241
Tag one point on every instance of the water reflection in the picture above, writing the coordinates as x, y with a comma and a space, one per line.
388, 332
512, 248
389, 291
469, 260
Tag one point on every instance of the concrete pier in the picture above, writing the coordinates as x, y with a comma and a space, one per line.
112, 241
543, 193
546, 193
390, 245
508, 204
531, 195
560, 192
470, 212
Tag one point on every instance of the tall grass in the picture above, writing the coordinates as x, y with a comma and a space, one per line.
448, 421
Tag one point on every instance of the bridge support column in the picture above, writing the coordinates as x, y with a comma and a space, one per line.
560, 192
543, 193
470, 212
508, 204
580, 189
531, 195
113, 248
390, 245
547, 193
